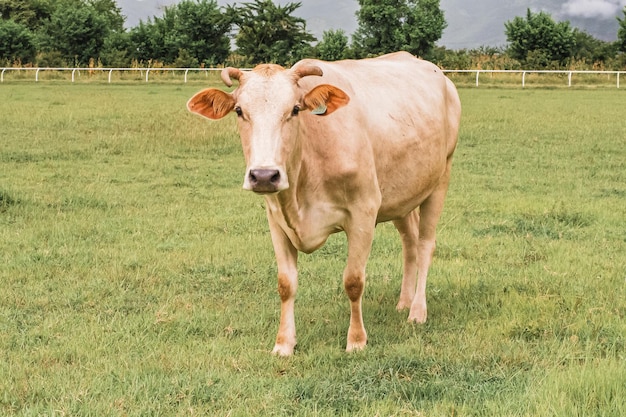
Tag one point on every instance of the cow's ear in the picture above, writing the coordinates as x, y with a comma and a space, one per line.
325, 99
211, 103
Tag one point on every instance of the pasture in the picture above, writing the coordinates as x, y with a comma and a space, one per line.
137, 278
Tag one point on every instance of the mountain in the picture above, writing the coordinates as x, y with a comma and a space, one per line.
470, 23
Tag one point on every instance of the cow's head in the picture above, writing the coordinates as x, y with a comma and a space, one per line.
268, 103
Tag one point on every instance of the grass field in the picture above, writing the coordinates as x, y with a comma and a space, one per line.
137, 279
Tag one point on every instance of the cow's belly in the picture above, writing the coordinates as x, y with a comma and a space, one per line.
397, 208
402, 195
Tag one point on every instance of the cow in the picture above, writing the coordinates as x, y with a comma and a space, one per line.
342, 146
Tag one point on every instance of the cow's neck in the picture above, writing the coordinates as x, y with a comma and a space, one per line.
298, 210
287, 200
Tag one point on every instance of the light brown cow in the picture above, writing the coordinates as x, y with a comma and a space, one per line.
342, 146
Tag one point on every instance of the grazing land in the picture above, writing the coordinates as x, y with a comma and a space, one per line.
137, 278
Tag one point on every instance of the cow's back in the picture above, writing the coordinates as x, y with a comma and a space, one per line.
402, 121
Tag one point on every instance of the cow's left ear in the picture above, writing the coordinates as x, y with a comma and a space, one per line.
325, 99
211, 103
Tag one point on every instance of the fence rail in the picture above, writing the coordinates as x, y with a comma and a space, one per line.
141, 71
569, 73
110, 71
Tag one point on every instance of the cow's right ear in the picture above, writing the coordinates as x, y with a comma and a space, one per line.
211, 103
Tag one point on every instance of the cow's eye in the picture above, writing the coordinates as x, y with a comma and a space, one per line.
238, 111
296, 110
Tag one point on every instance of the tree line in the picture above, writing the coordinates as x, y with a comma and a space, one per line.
199, 33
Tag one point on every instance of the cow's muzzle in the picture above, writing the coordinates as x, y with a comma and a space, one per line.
265, 181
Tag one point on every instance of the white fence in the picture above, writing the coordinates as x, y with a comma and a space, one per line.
570, 74
145, 72
77, 71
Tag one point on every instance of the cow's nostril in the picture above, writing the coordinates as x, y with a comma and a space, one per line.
264, 180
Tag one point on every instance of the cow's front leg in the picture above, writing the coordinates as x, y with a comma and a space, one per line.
286, 337
286, 259
359, 246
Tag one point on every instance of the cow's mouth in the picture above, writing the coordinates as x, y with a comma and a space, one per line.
264, 192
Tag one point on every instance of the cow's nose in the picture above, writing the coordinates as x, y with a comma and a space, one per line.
264, 180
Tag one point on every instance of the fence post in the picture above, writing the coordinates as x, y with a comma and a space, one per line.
524, 79
4, 69
569, 79
477, 74
186, 71
37, 75
147, 72
617, 79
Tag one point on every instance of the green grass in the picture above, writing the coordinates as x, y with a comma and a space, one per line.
138, 279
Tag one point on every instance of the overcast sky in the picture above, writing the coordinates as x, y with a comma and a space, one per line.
470, 23
594, 8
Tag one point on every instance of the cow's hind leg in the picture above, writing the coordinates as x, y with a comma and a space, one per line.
408, 228
418, 231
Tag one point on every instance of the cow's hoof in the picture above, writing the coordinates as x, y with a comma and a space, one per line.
283, 350
403, 305
356, 344
355, 347
417, 317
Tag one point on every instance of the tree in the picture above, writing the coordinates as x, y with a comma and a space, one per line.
392, 25
16, 42
538, 40
30, 13
202, 31
109, 10
333, 46
147, 41
379, 28
592, 50
76, 30
269, 33
621, 33
65, 31
191, 32
116, 50
423, 27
